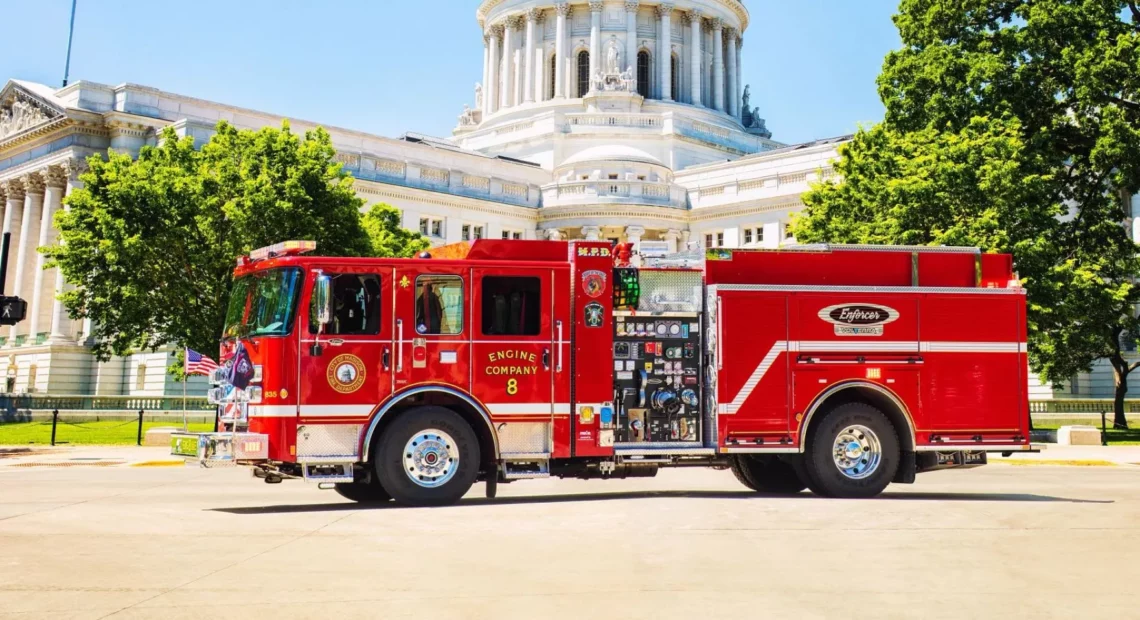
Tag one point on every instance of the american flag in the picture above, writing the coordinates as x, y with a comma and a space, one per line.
198, 364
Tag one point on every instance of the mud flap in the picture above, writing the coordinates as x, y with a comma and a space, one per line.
908, 468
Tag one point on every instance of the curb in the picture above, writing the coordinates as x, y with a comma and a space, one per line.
1058, 462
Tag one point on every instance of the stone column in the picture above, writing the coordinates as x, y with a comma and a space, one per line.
696, 58
631, 7
671, 237
685, 239
730, 43
595, 38
33, 202
561, 62
505, 100
633, 237
486, 71
491, 97
61, 330
718, 65
739, 79
592, 233
532, 17
665, 12
55, 180
13, 213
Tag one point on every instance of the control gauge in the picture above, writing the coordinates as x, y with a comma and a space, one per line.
661, 328
674, 329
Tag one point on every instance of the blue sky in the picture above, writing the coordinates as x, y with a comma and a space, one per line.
387, 66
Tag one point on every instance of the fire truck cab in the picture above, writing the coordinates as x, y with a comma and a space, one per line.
839, 369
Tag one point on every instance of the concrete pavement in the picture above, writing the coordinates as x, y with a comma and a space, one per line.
173, 542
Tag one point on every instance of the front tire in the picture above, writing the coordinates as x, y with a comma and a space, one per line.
428, 457
363, 492
766, 474
852, 453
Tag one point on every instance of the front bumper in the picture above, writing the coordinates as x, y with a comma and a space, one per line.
220, 449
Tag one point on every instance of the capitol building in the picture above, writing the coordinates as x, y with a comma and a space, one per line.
627, 120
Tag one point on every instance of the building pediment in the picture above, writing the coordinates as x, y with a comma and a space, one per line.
22, 110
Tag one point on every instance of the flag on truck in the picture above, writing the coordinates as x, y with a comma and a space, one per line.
198, 364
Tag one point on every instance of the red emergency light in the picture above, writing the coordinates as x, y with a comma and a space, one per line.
285, 248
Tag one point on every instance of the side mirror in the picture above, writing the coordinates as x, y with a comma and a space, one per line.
322, 295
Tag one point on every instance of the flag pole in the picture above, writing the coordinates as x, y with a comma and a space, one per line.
185, 378
70, 34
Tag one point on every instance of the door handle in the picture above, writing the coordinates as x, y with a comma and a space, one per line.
558, 343
546, 359
399, 345
386, 358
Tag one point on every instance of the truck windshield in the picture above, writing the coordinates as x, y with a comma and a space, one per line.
263, 304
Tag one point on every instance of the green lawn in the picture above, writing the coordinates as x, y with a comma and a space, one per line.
102, 432
1130, 437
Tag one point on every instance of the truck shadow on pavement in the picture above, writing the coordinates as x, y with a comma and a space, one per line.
633, 495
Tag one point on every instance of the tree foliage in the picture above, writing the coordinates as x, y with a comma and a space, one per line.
382, 223
1013, 125
149, 244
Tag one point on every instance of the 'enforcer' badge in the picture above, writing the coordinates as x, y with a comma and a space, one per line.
346, 373
595, 315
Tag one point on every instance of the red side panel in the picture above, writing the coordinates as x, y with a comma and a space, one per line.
974, 377
752, 367
592, 319
562, 376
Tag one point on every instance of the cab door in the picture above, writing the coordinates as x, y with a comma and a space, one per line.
346, 368
514, 355
431, 329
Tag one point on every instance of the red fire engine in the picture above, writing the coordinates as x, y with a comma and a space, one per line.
835, 368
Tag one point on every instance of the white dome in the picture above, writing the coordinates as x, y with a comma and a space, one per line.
611, 152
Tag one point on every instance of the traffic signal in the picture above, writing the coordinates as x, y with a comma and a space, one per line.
12, 310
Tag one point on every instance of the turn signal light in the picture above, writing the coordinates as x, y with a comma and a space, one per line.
874, 373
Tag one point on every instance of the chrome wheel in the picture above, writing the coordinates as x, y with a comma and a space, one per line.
431, 458
857, 452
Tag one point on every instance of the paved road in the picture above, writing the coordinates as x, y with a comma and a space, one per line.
1001, 541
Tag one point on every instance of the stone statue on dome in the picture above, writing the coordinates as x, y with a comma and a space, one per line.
747, 96
478, 96
613, 57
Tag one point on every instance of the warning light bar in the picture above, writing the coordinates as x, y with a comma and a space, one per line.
285, 248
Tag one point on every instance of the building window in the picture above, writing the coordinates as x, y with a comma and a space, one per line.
613, 177
472, 232
754, 235
466, 236
431, 226
439, 305
512, 234
512, 306
140, 377
553, 76
583, 73
643, 74
356, 306
675, 82
714, 240
788, 231
32, 371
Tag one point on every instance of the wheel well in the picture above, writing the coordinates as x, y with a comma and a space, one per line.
873, 395
488, 447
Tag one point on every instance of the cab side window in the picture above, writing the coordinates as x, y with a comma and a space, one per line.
439, 305
511, 306
356, 306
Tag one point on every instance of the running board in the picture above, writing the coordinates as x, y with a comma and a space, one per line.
328, 472
522, 470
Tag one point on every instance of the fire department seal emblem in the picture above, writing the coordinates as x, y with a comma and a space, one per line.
346, 373
593, 283
594, 314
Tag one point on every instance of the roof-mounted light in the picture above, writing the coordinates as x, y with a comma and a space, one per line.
285, 248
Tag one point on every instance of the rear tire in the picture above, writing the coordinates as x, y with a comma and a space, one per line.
363, 492
767, 474
428, 457
853, 452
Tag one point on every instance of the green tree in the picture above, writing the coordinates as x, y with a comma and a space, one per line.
149, 244
1013, 125
382, 223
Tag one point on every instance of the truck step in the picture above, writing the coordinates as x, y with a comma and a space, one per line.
328, 472
522, 470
